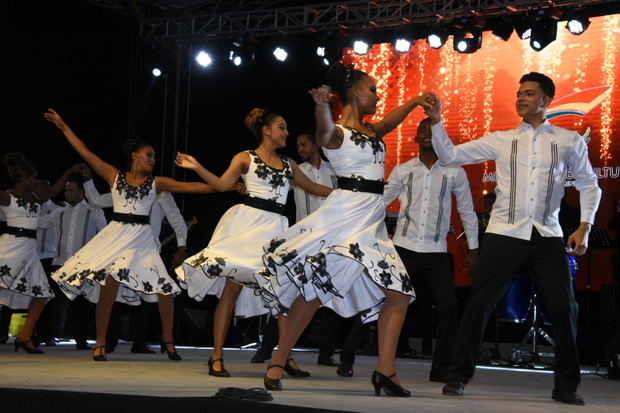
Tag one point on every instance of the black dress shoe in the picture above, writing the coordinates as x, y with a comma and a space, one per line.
141, 349
326, 361
381, 382
454, 388
293, 372
82, 345
27, 346
568, 397
345, 370
217, 373
273, 384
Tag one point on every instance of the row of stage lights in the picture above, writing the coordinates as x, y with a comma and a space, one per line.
538, 27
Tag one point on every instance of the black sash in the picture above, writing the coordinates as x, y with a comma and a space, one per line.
264, 204
131, 218
21, 232
361, 185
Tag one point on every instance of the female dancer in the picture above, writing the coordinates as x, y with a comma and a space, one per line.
233, 257
23, 282
341, 255
122, 262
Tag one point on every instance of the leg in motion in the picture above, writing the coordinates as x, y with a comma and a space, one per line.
223, 315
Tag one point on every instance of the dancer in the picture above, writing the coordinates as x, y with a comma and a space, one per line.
23, 282
341, 255
232, 259
122, 262
532, 162
424, 187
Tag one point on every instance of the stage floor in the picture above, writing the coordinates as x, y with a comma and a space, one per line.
62, 368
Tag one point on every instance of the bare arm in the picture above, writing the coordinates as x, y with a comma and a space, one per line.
104, 169
165, 184
305, 183
395, 117
327, 134
227, 181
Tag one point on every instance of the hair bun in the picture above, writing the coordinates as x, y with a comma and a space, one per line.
255, 119
336, 75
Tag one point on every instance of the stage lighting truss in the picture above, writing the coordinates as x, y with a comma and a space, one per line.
543, 33
467, 40
437, 37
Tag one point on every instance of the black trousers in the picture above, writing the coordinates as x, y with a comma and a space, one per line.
432, 278
500, 260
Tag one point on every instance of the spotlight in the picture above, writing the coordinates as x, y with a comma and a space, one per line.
523, 27
577, 24
437, 38
543, 33
328, 48
467, 41
502, 29
320, 51
361, 47
402, 45
280, 54
156, 72
203, 59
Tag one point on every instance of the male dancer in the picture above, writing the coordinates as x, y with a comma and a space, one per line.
531, 162
424, 187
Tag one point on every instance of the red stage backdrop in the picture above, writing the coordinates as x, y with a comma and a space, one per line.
478, 92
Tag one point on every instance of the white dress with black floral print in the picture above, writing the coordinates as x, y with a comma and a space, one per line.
235, 250
21, 274
341, 253
125, 252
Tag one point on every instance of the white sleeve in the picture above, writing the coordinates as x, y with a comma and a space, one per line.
394, 186
586, 181
100, 221
174, 217
465, 206
95, 198
476, 151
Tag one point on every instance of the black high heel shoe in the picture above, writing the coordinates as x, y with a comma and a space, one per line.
172, 355
379, 381
24, 344
101, 356
293, 372
217, 373
273, 384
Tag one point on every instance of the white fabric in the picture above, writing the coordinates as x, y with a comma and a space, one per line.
234, 251
165, 206
46, 238
126, 252
426, 205
21, 274
341, 253
73, 227
531, 168
306, 203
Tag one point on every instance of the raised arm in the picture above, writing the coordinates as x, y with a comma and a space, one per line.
59, 185
305, 183
327, 134
395, 117
227, 181
104, 169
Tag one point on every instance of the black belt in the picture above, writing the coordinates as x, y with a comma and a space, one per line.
131, 218
361, 185
21, 232
264, 204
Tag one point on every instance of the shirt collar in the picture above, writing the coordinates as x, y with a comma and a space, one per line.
544, 127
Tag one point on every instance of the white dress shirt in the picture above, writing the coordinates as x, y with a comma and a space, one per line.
306, 203
46, 239
165, 206
531, 168
73, 227
425, 197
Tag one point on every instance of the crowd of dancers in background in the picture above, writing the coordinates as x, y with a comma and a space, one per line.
337, 255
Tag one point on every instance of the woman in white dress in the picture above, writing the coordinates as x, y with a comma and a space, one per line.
340, 255
122, 262
229, 265
23, 283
